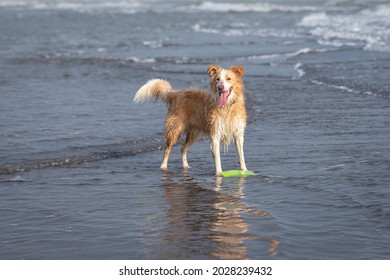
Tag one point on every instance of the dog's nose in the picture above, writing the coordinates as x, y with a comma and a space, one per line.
220, 87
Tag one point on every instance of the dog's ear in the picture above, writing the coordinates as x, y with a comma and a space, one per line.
239, 70
212, 69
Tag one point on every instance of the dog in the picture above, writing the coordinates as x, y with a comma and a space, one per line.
218, 113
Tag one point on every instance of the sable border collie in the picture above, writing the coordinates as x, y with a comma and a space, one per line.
219, 113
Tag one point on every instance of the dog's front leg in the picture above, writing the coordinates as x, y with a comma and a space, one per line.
215, 149
239, 141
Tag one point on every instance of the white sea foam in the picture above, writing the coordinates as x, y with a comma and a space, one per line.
343, 88
82, 6
154, 44
369, 28
298, 68
247, 31
140, 60
277, 56
263, 7
17, 178
134, 6
288, 55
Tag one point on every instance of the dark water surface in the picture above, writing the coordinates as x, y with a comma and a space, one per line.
79, 162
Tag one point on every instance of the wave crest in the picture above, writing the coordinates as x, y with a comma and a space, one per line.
368, 29
254, 7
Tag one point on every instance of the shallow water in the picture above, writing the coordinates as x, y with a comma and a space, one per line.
79, 162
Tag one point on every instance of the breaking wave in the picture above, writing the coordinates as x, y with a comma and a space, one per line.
132, 7
368, 29
85, 6
252, 7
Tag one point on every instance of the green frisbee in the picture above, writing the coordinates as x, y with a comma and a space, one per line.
237, 173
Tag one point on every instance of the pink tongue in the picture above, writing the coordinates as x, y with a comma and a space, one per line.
222, 101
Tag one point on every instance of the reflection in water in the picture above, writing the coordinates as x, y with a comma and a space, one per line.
208, 222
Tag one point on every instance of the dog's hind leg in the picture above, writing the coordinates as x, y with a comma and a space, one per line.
167, 151
172, 137
190, 139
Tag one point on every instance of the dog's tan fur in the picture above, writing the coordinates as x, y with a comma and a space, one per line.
219, 113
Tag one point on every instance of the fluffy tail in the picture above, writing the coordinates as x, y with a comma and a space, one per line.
156, 88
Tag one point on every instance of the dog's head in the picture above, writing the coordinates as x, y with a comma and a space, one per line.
226, 84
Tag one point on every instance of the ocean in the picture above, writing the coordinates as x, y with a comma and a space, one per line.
79, 162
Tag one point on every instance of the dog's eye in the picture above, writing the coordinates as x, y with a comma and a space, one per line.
229, 79
217, 79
